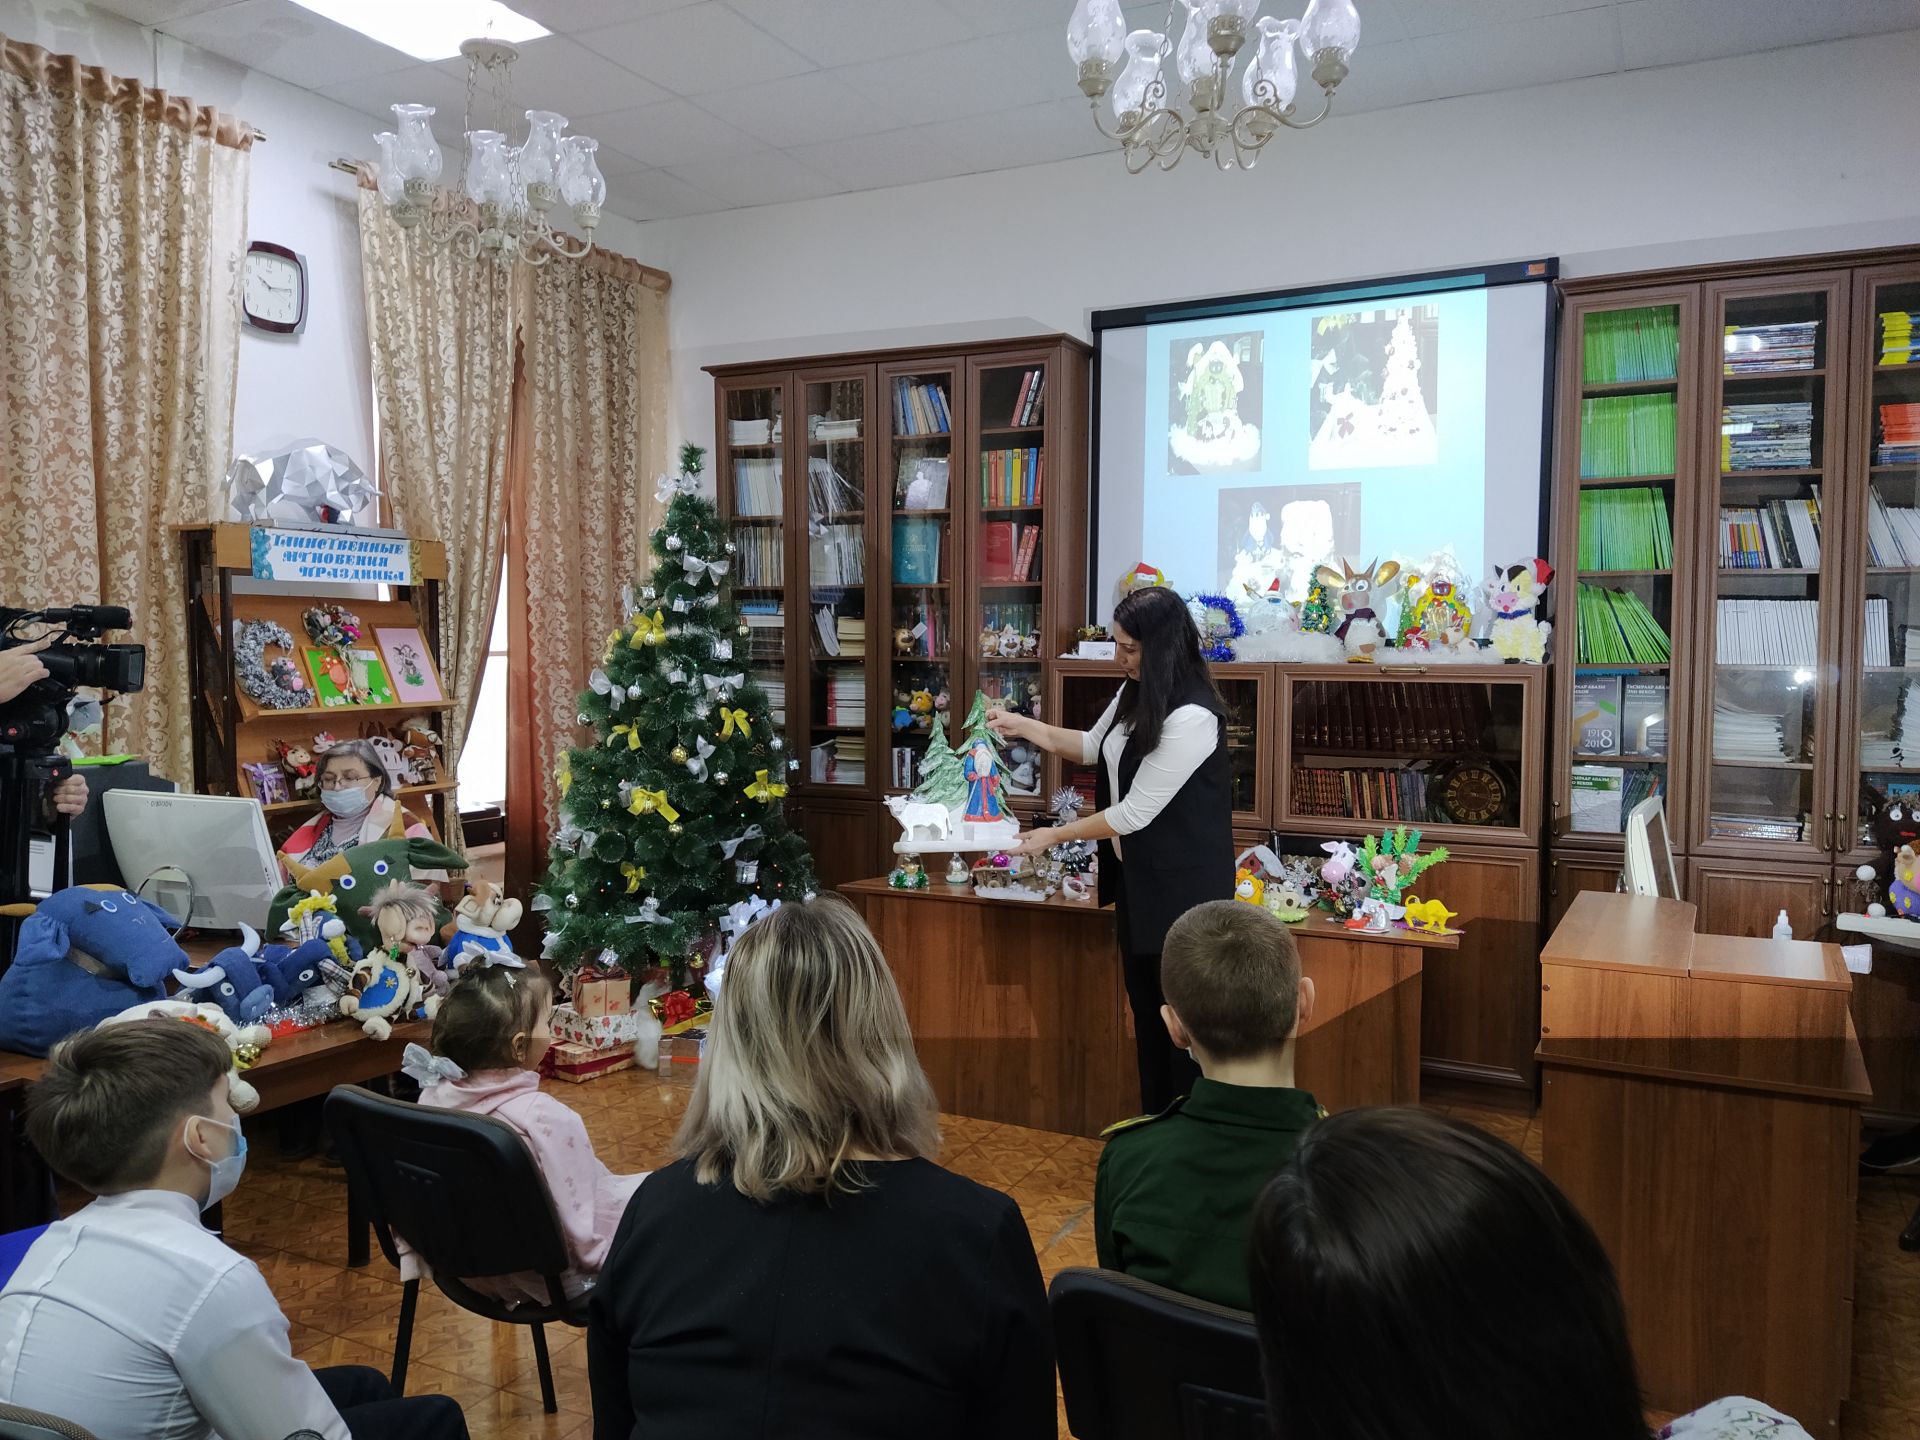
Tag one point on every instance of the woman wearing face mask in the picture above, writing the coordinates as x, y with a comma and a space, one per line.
358, 795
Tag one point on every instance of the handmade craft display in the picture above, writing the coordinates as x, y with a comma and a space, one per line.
356, 872
480, 925
1513, 594
83, 953
1218, 620
268, 781
307, 482
299, 767
407, 918
1370, 887
959, 804
382, 989
410, 665
234, 981
1354, 595
245, 1042
275, 681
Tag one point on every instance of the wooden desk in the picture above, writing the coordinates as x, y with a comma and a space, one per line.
1701, 1106
1020, 1015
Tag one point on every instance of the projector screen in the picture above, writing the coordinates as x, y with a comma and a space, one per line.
1246, 440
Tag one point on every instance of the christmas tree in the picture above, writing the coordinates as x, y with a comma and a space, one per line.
941, 781
976, 727
673, 814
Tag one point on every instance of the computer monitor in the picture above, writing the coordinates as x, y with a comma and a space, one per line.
1649, 853
205, 859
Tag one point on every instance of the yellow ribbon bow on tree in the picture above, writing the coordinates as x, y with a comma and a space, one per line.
648, 630
646, 802
634, 873
735, 720
564, 774
763, 789
632, 732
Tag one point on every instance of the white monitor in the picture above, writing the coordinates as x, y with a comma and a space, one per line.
205, 859
1649, 853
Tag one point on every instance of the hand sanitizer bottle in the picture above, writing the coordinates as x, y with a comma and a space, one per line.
1783, 927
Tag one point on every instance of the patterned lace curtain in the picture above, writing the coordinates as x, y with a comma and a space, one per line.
593, 427
122, 224
441, 328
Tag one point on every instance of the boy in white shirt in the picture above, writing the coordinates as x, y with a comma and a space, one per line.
130, 1318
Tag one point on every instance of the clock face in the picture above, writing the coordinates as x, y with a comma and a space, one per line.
1474, 794
275, 292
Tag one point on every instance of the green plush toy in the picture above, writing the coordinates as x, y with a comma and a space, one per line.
355, 874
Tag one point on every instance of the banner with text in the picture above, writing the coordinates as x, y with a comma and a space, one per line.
339, 557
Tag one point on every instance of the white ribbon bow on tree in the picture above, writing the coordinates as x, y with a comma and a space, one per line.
668, 486
716, 683
601, 685
696, 567
697, 762
742, 914
649, 914
727, 847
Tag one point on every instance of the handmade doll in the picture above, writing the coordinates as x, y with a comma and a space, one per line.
408, 922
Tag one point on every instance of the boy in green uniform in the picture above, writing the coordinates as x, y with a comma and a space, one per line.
1173, 1201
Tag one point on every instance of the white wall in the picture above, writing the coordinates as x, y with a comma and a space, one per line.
1769, 154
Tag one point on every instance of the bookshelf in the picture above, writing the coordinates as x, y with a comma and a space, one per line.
918, 529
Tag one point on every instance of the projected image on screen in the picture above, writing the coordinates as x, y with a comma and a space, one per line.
1374, 389
1280, 532
1214, 408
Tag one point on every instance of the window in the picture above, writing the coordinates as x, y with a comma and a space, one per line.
483, 760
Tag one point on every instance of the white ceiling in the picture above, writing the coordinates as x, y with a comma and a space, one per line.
704, 105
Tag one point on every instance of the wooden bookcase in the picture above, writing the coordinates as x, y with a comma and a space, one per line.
1294, 730
230, 728
910, 519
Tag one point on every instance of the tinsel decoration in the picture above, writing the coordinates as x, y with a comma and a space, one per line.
277, 683
1218, 619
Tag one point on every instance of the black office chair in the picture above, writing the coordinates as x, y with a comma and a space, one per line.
19, 1424
1138, 1362
464, 1193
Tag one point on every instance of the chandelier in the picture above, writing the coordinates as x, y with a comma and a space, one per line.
512, 187
1149, 127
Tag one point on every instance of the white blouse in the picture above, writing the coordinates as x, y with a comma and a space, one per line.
1186, 739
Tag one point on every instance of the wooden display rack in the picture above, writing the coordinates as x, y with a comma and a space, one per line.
231, 728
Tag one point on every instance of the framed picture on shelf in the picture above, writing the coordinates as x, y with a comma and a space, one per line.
332, 679
371, 685
268, 780
410, 666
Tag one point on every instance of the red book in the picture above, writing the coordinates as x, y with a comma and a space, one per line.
1020, 405
996, 550
1029, 544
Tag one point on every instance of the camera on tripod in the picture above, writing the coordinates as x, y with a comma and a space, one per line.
35, 719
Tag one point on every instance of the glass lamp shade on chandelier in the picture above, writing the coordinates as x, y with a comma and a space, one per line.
1132, 69
512, 187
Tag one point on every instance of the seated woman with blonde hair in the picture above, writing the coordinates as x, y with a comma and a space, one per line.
805, 1269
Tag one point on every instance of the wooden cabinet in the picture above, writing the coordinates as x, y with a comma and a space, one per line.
1746, 899
850, 839
1480, 1004
1570, 872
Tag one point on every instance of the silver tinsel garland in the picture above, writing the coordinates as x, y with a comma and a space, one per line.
270, 687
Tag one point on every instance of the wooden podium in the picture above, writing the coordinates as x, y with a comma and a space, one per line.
1701, 1106
1020, 1015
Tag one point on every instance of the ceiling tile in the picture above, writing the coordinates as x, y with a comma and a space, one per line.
677, 132
846, 32
1672, 32
765, 178
995, 17
698, 49
556, 73
1382, 76
656, 195
1438, 17
800, 110
289, 43
1005, 139
872, 162
418, 85
1528, 52
970, 78
570, 17
153, 12
616, 163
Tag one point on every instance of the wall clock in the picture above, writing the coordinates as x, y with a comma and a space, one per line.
274, 293
1474, 792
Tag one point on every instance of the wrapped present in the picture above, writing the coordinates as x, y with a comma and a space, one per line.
605, 1032
599, 992
680, 1056
679, 1011
579, 1064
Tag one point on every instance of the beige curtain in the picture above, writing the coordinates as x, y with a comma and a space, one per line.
441, 329
122, 224
594, 363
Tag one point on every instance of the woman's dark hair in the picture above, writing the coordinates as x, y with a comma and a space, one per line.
487, 1006
1415, 1278
1171, 665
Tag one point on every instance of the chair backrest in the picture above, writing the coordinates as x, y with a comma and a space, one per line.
1139, 1362
462, 1190
19, 1424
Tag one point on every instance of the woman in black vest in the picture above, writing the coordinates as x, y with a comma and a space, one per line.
1160, 759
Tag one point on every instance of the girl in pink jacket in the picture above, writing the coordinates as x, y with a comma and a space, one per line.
489, 1037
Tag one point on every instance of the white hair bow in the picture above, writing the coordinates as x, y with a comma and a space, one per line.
426, 1069
696, 567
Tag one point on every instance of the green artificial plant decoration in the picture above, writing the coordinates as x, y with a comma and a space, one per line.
1397, 847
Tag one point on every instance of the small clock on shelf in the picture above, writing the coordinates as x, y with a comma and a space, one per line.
274, 295
1474, 792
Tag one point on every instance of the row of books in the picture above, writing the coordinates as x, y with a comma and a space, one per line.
920, 408
763, 431
1626, 435
776, 692
756, 485
1009, 550
1893, 532
846, 697
1775, 535
759, 555
1750, 825
1362, 794
927, 631
836, 555
1899, 434
1775, 435
1604, 795
1616, 628
1623, 346
1392, 717
1897, 343
1025, 619
840, 761
1027, 404
919, 551
1620, 715
1626, 529
1898, 747
1012, 477
1770, 349
905, 768
1766, 632
840, 636
1741, 734
766, 623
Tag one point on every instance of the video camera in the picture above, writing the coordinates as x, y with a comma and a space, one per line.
35, 719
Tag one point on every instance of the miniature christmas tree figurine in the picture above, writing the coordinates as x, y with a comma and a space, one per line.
672, 814
941, 779
1316, 611
975, 726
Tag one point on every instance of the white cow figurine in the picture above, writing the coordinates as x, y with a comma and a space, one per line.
920, 820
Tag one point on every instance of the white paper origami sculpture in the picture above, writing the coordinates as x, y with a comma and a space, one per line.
306, 482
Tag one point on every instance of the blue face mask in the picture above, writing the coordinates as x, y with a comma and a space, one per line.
224, 1173
348, 801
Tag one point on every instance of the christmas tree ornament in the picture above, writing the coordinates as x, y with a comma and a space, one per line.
606, 804
674, 829
648, 594
732, 549
734, 721
776, 744
702, 751
764, 790
720, 777
679, 753
584, 718
746, 871
573, 901
673, 543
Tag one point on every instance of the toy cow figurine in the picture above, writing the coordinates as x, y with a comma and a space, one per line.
1513, 593
1359, 628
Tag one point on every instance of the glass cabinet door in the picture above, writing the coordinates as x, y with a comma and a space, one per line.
1772, 677
919, 643
1622, 553
1888, 685
753, 497
838, 709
